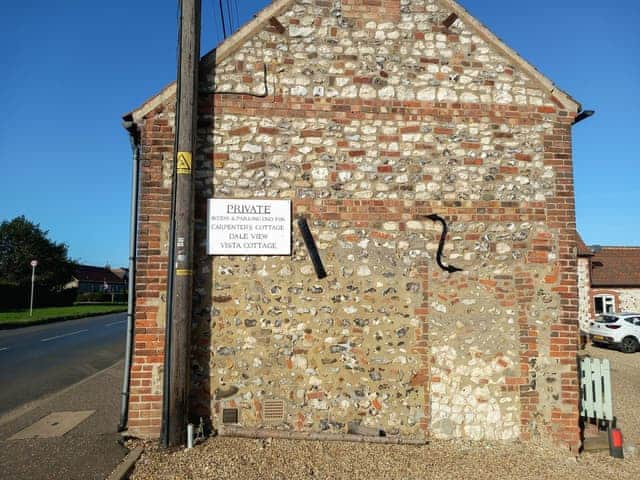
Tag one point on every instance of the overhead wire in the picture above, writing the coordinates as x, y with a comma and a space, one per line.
216, 33
230, 17
224, 27
235, 7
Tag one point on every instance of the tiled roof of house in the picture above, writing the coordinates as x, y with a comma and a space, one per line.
616, 267
88, 273
121, 273
583, 250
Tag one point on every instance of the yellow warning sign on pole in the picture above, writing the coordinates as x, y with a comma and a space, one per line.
183, 166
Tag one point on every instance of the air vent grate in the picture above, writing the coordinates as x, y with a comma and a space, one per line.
229, 415
273, 411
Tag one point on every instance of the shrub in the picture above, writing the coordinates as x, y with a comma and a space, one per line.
17, 297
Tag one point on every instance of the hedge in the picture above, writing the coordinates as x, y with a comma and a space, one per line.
15, 297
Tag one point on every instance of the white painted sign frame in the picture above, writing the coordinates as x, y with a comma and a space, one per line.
248, 227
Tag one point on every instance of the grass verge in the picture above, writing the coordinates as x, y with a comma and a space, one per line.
21, 318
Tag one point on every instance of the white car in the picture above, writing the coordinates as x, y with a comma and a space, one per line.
621, 330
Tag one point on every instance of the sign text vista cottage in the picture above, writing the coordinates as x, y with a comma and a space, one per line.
249, 227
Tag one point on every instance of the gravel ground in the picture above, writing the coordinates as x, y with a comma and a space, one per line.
233, 458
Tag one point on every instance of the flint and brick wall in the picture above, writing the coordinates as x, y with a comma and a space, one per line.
371, 124
151, 273
585, 302
629, 299
625, 299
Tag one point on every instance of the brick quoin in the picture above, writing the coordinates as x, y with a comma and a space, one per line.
151, 274
565, 337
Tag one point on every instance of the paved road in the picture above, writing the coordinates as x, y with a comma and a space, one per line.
43, 359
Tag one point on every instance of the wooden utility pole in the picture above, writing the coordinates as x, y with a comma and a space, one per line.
177, 346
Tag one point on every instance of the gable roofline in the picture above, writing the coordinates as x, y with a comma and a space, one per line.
215, 56
235, 41
564, 98
583, 249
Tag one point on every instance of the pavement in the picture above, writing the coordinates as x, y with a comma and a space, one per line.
92, 449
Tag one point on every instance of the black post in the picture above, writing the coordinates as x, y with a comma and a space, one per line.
176, 388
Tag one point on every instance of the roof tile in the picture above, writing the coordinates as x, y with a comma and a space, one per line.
616, 267
88, 273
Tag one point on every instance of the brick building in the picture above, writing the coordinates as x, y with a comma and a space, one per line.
369, 115
585, 309
608, 281
87, 279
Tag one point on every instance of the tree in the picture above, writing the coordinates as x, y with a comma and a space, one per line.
22, 241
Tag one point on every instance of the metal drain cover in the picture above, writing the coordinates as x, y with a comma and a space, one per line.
55, 424
229, 415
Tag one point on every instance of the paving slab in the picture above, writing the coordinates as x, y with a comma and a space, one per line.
90, 449
55, 424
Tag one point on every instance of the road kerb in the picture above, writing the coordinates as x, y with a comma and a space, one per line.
126, 465
24, 409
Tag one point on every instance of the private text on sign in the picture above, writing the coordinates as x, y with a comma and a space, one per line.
248, 227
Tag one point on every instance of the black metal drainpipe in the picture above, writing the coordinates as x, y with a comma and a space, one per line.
133, 231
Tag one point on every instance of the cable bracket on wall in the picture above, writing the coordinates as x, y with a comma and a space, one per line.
447, 268
310, 243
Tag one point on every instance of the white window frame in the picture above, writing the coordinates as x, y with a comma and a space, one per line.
608, 303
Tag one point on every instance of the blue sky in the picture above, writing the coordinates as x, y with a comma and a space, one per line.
71, 69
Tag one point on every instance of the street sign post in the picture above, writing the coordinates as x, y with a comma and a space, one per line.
34, 264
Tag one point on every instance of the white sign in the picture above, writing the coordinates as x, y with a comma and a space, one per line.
34, 263
249, 227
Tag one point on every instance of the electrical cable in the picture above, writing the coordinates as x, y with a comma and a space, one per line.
230, 17
236, 20
213, 91
224, 27
235, 7
216, 34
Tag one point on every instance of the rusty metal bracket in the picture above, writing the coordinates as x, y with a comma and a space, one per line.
447, 268
311, 247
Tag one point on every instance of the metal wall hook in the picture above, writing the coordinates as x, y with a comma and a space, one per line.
447, 268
